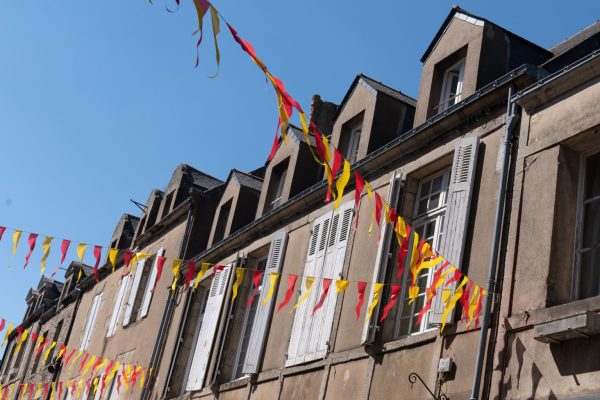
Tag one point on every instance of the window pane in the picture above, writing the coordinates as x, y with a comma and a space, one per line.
589, 279
592, 183
425, 189
435, 201
591, 224
437, 184
422, 207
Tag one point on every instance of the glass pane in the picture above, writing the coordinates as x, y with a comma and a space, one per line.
404, 327
589, 275
592, 182
425, 189
434, 201
437, 184
591, 224
422, 207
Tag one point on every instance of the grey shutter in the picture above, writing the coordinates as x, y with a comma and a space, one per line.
89, 326
137, 277
383, 257
456, 219
314, 260
208, 329
150, 285
263, 313
322, 320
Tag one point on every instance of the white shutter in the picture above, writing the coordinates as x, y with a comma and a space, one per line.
112, 327
314, 261
208, 329
383, 257
90, 322
322, 320
150, 285
264, 312
456, 219
139, 270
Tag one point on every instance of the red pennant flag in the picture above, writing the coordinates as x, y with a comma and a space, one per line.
2, 230
478, 309
378, 207
326, 285
430, 292
359, 186
361, 286
83, 361
32, 238
2, 323
403, 252
45, 392
191, 272
393, 299
392, 216
455, 277
275, 142
69, 357
119, 384
33, 336
247, 47
97, 254
290, 291
64, 247
96, 364
31, 390
160, 263
19, 331
88, 385
464, 301
319, 142
256, 277
127, 256
338, 158
60, 389
215, 269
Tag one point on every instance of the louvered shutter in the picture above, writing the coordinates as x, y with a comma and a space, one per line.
264, 312
314, 260
456, 219
383, 256
137, 277
150, 285
89, 326
208, 329
322, 320
112, 327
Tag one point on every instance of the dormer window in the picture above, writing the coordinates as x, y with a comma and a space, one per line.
452, 86
350, 138
275, 192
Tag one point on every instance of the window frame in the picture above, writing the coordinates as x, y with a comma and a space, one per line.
436, 214
580, 223
445, 98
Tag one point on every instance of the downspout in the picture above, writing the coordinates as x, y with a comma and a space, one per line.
512, 117
168, 314
67, 336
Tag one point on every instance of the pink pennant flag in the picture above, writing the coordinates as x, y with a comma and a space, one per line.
160, 263
32, 238
2, 230
255, 282
97, 254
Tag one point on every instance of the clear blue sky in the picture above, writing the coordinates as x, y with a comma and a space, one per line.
100, 101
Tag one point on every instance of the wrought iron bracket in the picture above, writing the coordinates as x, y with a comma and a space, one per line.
413, 377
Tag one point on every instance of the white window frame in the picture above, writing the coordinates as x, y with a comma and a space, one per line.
354, 142
580, 222
118, 308
148, 290
436, 214
91, 320
456, 70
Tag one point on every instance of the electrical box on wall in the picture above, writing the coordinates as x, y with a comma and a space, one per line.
445, 364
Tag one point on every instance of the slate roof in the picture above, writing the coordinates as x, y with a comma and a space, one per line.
383, 88
299, 135
247, 180
203, 180
574, 47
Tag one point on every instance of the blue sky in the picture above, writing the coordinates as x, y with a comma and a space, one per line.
100, 101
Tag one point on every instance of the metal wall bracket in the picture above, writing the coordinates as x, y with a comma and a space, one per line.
413, 377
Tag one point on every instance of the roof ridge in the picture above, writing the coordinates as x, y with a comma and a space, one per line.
387, 86
573, 36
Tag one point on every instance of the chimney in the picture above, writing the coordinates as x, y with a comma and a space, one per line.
322, 113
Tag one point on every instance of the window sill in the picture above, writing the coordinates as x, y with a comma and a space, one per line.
411, 341
540, 316
239, 382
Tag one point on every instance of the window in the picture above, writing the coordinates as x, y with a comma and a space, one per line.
276, 183
587, 255
247, 327
141, 289
91, 320
350, 138
222, 221
112, 326
452, 86
167, 206
37, 359
428, 222
54, 340
325, 259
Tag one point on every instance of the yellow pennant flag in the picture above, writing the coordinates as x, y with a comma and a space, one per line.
47, 353
127, 377
38, 392
341, 285
472, 306
11, 390
7, 334
99, 367
142, 379
176, 267
22, 340
79, 353
201, 273
16, 237
216, 27
24, 390
401, 228
52, 390
79, 387
377, 289
95, 384
239, 274
112, 373
46, 251
88, 365
308, 283
341, 183
273, 277
61, 352
112, 257
450, 306
81, 251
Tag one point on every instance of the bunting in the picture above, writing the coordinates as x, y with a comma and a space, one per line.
359, 185
97, 254
361, 287
308, 283
176, 266
290, 291
273, 278
46, 243
31, 240
256, 278
16, 237
326, 285
239, 274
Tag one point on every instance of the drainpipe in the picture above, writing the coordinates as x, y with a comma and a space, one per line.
512, 118
58, 368
168, 314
